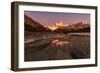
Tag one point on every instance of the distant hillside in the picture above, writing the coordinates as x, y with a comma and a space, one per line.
34, 26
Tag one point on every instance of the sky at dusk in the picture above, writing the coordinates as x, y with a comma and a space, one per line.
46, 18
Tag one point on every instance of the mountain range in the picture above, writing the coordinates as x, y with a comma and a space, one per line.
75, 27
34, 26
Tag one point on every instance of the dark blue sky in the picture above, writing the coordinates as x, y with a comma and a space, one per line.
46, 18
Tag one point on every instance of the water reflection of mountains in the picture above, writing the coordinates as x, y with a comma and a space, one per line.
34, 26
65, 46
